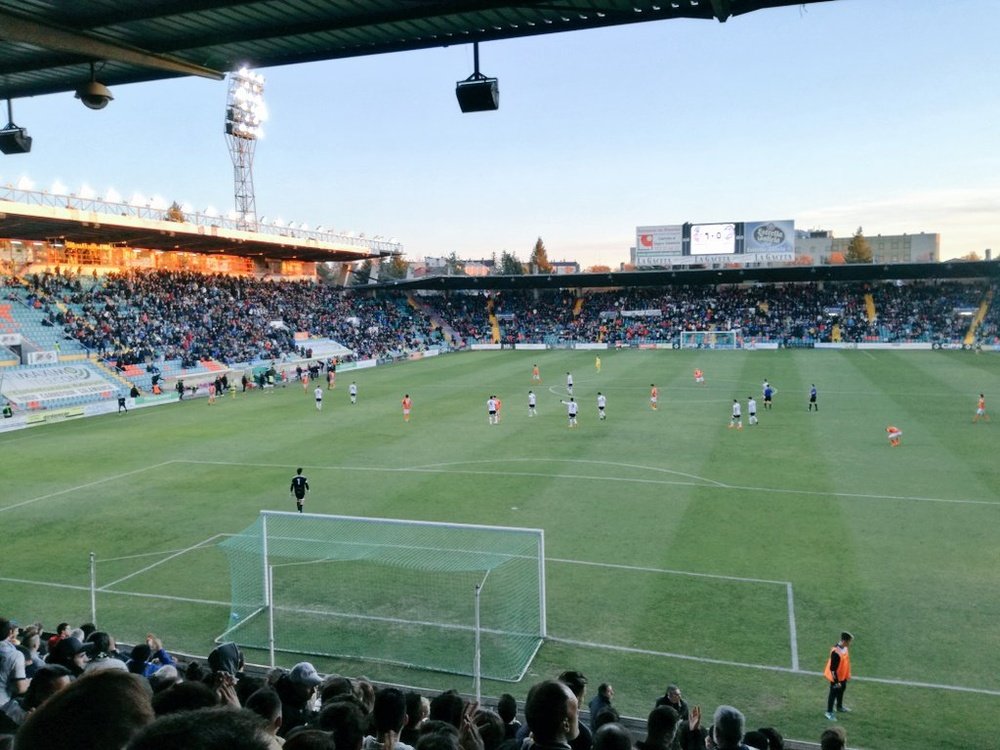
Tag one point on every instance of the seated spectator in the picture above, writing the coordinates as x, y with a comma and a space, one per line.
31, 642
605, 692
388, 720
661, 726
490, 727
672, 697
296, 691
205, 729
577, 682
727, 729
101, 711
164, 677
448, 706
612, 736
184, 696
607, 715
552, 713
774, 739
47, 682
148, 657
69, 652
833, 738
267, 705
415, 716
13, 680
309, 739
507, 708
226, 657
103, 653
334, 686
346, 720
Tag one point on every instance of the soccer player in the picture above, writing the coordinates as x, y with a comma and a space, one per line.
211, 393
812, 398
894, 434
305, 380
654, 396
352, 389
499, 407
300, 486
121, 403
602, 401
491, 409
751, 410
569, 384
737, 419
531, 404
331, 376
597, 363
699, 377
768, 394
571, 409
536, 375
407, 405
318, 393
981, 409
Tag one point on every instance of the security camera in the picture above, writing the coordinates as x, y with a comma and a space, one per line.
94, 95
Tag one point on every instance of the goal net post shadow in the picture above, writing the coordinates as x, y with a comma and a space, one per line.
436, 596
731, 339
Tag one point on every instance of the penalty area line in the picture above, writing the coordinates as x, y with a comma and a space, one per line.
107, 586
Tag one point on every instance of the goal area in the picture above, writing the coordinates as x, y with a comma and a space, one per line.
731, 339
454, 598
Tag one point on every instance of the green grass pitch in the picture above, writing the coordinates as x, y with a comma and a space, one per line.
678, 550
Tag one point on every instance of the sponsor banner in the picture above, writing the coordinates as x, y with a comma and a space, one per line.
737, 259
485, 347
769, 237
10, 339
590, 346
642, 313
899, 346
415, 355
43, 358
531, 347
432, 352
654, 244
53, 415
39, 384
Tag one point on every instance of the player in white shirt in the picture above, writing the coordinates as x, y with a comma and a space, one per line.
352, 389
491, 409
571, 409
569, 384
751, 410
531, 404
318, 393
737, 418
602, 401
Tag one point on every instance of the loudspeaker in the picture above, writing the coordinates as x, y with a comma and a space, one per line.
478, 95
15, 140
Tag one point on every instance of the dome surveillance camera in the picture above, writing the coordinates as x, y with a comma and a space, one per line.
94, 95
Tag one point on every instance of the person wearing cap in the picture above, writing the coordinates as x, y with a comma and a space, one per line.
70, 653
13, 680
296, 691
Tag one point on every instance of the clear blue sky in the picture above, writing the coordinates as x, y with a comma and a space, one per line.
876, 113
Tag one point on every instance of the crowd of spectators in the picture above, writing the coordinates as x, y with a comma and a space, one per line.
140, 317
802, 312
76, 690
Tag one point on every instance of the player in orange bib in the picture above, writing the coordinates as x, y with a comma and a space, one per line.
654, 395
699, 377
407, 405
894, 434
536, 375
981, 409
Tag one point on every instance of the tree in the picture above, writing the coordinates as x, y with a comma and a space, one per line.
510, 265
540, 258
362, 274
837, 258
455, 266
394, 268
175, 212
970, 256
858, 251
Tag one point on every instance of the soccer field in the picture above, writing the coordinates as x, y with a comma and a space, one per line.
677, 549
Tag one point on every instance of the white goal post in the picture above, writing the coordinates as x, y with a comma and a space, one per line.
456, 598
731, 339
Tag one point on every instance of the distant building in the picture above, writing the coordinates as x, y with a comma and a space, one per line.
563, 267
820, 245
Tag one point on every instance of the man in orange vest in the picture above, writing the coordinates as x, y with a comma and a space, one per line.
837, 673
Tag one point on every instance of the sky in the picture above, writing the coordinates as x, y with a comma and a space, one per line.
881, 114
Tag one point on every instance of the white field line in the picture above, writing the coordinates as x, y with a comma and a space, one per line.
792, 631
140, 594
84, 486
211, 539
636, 480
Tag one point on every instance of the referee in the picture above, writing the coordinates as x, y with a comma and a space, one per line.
300, 486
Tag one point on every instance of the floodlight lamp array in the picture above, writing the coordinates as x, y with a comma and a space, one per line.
246, 112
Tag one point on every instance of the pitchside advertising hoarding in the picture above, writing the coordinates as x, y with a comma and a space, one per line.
739, 243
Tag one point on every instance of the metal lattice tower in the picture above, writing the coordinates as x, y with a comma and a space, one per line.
245, 115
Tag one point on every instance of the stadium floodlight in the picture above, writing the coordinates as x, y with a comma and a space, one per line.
245, 115
14, 140
477, 93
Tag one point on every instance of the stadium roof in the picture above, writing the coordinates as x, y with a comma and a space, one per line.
34, 216
47, 47
989, 270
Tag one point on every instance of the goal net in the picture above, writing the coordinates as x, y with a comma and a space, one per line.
711, 339
447, 597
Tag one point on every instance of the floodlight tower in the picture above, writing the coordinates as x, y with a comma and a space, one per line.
245, 115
